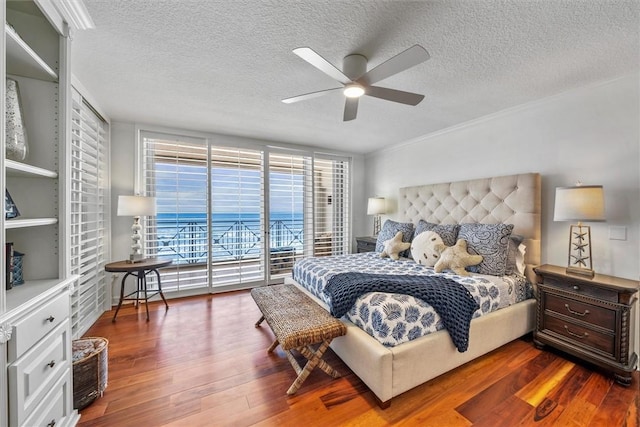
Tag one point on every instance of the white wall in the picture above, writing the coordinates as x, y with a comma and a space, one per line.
591, 135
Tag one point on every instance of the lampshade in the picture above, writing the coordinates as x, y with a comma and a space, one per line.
376, 206
579, 203
136, 206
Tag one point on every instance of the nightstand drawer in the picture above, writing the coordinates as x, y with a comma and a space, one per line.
585, 312
582, 336
582, 288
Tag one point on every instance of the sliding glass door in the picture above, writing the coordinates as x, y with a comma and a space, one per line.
233, 217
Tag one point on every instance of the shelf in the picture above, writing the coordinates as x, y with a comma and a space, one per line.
28, 222
13, 168
24, 61
21, 294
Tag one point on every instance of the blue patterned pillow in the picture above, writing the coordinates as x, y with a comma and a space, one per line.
448, 232
492, 242
389, 230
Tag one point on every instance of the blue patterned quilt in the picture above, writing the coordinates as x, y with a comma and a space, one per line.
394, 318
451, 300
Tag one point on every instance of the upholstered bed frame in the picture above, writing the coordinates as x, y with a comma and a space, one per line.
390, 371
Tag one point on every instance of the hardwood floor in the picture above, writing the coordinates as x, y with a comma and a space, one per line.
202, 363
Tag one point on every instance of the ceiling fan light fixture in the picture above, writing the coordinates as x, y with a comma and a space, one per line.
353, 91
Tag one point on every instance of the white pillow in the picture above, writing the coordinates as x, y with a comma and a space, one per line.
426, 248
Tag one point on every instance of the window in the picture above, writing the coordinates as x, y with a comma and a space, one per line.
175, 172
232, 217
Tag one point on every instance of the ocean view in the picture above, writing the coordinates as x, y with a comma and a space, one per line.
235, 236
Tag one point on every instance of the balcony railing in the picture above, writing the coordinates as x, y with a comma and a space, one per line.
186, 242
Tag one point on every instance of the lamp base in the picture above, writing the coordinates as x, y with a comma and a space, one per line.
579, 261
582, 271
376, 225
133, 258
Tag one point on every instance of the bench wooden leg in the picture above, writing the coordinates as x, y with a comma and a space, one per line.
259, 321
316, 358
273, 346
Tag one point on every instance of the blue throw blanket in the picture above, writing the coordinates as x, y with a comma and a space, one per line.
451, 300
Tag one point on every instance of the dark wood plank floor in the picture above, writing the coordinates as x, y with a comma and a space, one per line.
202, 363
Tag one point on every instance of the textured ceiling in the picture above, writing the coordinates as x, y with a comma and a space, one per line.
223, 66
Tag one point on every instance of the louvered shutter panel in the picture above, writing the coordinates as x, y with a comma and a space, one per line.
89, 214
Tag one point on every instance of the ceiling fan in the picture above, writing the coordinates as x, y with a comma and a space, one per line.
357, 81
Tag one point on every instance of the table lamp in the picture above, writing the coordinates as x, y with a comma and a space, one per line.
136, 206
579, 203
376, 206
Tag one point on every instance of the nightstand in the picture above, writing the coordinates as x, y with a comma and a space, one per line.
590, 318
366, 244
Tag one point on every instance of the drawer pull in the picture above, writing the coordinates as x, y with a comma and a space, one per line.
50, 319
576, 287
51, 364
52, 423
577, 313
573, 334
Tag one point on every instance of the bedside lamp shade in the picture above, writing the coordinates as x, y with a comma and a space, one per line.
579, 203
136, 206
376, 206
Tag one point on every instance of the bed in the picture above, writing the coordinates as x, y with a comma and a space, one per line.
389, 370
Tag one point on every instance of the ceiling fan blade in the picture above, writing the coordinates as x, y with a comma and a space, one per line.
310, 95
408, 98
350, 109
321, 64
415, 55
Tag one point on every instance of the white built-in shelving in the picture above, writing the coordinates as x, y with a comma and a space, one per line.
34, 315
22, 60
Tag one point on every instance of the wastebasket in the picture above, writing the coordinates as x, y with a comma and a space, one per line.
90, 366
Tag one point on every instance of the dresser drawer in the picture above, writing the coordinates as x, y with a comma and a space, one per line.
53, 409
29, 330
33, 374
581, 336
585, 312
582, 288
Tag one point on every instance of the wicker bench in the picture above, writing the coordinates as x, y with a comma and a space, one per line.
298, 323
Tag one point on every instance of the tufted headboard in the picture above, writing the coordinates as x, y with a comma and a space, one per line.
513, 199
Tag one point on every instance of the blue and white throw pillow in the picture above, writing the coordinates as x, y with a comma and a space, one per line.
448, 232
389, 230
492, 242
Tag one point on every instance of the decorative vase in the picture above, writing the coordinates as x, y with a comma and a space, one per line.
16, 142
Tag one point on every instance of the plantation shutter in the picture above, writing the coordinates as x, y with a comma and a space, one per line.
89, 214
237, 222
331, 206
290, 210
175, 172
